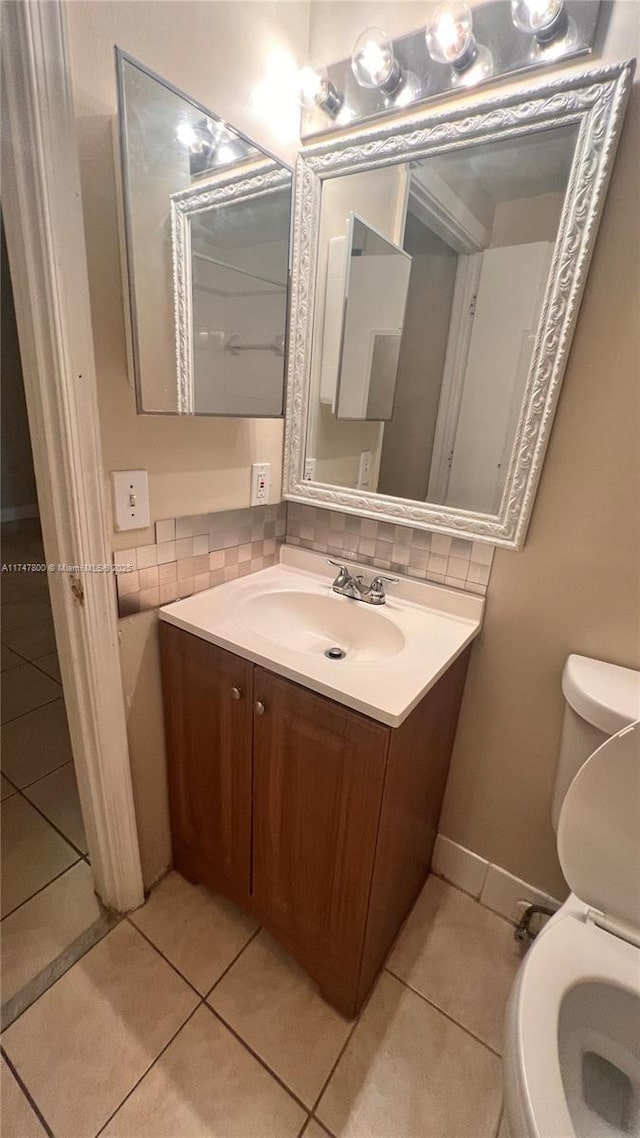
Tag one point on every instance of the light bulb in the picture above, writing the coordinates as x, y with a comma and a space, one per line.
373, 62
544, 19
224, 154
317, 90
450, 39
188, 135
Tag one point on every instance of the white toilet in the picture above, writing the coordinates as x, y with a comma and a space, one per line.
572, 1035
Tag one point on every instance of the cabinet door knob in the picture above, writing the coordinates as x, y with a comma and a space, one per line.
260, 708
236, 693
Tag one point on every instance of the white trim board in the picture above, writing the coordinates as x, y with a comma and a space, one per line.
42, 208
18, 513
493, 886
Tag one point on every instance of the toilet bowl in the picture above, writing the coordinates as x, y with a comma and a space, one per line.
572, 1032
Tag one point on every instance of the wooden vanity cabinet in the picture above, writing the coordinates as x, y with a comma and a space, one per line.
316, 819
318, 782
208, 707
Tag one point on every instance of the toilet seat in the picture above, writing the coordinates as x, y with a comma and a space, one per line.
599, 832
571, 950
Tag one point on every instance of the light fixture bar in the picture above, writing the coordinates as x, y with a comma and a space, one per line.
511, 50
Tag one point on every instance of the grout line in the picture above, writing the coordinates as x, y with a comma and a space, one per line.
42, 888
11, 782
334, 1067
324, 1126
341, 1053
263, 1063
26, 786
15, 718
437, 1008
149, 1068
235, 959
42, 671
20, 655
27, 1094
80, 853
165, 958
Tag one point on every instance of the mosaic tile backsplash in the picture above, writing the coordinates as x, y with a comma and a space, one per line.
433, 557
195, 553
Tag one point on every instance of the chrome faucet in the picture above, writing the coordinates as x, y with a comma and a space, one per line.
349, 586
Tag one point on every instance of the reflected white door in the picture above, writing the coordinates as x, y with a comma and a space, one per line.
508, 303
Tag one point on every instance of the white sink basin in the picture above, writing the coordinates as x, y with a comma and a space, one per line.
286, 617
311, 623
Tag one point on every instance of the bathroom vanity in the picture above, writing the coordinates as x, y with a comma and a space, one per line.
314, 817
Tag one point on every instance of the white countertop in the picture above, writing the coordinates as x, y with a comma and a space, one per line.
432, 627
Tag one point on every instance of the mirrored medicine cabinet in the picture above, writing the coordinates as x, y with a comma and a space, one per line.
206, 223
439, 269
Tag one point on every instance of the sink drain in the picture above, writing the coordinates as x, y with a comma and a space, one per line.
335, 653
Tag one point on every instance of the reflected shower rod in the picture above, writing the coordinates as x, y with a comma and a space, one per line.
234, 347
235, 269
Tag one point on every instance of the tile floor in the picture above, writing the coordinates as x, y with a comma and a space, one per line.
186, 1021
47, 891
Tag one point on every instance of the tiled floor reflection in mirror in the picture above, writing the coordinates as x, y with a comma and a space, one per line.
50, 914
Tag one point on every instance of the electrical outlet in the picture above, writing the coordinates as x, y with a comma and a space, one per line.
130, 499
364, 473
260, 483
309, 469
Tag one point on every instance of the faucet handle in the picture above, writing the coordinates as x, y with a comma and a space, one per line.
377, 581
375, 593
343, 573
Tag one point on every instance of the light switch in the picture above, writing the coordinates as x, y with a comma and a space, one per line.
130, 499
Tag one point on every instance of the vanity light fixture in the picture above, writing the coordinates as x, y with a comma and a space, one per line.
450, 39
317, 90
468, 42
547, 20
374, 64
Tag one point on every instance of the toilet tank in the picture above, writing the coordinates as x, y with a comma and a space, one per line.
600, 700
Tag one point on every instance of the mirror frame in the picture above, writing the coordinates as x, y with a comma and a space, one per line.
595, 101
241, 185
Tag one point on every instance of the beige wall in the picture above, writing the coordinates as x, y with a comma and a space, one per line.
527, 220
217, 52
575, 587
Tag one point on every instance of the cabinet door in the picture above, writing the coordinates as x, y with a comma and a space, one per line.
208, 720
318, 780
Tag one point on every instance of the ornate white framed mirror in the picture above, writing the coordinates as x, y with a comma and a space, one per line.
451, 396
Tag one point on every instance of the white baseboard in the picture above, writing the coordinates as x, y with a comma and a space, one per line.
18, 513
493, 886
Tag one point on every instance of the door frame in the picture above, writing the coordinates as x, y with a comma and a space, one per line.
453, 373
42, 210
